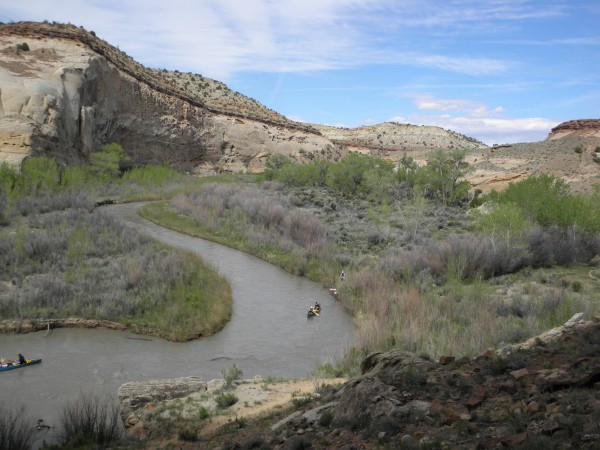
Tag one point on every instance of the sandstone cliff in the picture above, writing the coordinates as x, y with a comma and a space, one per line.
586, 127
66, 93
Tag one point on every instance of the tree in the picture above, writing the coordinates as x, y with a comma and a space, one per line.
506, 222
38, 174
348, 175
442, 175
107, 162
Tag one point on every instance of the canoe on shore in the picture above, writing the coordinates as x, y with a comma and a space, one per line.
12, 366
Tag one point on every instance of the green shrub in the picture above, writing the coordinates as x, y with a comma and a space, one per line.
326, 418
188, 434
546, 200
38, 175
203, 413
8, 179
151, 175
75, 178
300, 399
226, 399
107, 162
231, 375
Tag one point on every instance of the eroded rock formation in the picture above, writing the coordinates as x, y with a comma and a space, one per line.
582, 127
70, 93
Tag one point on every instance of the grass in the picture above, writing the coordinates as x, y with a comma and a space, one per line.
246, 219
75, 263
420, 276
424, 285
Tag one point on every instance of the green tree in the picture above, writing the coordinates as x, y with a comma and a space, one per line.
348, 175
407, 170
443, 176
107, 162
380, 182
8, 179
38, 175
506, 223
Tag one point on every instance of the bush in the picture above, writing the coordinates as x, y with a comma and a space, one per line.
90, 419
15, 434
459, 257
226, 400
232, 374
203, 413
326, 418
561, 246
107, 162
38, 175
188, 434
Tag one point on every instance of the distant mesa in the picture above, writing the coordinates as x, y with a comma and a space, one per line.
582, 127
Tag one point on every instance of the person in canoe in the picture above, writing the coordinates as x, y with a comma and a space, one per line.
22, 359
314, 310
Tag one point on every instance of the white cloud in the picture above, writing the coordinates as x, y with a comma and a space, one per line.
220, 38
492, 130
469, 107
477, 120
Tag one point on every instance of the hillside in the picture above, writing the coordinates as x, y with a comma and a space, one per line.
573, 156
393, 137
66, 93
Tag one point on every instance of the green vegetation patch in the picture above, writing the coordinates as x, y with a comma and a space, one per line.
60, 257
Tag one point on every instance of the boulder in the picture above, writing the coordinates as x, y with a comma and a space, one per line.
135, 395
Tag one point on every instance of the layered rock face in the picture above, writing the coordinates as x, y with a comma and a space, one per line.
68, 95
586, 128
135, 396
65, 93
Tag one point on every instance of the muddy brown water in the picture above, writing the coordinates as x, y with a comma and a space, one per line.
268, 335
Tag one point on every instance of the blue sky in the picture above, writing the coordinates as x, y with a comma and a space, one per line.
501, 71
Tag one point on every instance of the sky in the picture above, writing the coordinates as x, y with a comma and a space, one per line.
500, 71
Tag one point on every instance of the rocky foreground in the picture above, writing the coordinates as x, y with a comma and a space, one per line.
543, 393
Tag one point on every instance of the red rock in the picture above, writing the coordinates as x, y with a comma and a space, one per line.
515, 439
445, 360
477, 398
518, 374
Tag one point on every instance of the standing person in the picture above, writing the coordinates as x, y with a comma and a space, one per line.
342, 276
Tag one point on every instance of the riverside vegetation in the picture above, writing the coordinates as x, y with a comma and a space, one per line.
61, 257
427, 271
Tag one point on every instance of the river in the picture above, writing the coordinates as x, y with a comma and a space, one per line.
268, 335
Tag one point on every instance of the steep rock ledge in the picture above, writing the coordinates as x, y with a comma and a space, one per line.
65, 99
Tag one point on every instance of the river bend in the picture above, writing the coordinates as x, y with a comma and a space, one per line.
268, 335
